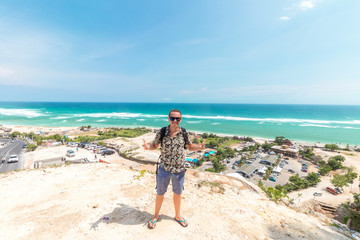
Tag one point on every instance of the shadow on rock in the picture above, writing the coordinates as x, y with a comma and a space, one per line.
126, 215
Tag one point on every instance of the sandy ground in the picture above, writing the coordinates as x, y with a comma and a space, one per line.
70, 202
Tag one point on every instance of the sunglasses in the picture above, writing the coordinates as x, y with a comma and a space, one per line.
175, 118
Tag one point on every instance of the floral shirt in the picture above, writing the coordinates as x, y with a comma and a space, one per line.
172, 158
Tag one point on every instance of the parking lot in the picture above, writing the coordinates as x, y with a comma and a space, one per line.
283, 178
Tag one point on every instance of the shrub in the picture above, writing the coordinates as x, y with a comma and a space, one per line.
31, 147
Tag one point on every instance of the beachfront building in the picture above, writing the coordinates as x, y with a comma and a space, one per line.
268, 160
286, 150
247, 170
288, 142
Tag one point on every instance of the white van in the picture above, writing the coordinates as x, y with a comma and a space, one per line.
91, 147
13, 158
70, 153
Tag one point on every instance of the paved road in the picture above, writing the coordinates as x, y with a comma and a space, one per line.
10, 149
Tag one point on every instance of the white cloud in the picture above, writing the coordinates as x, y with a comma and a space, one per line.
285, 18
302, 5
204, 89
306, 5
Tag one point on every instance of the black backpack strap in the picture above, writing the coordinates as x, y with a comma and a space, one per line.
184, 133
162, 134
157, 168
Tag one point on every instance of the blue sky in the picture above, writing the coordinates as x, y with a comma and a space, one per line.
234, 51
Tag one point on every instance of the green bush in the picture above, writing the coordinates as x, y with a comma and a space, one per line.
325, 169
331, 147
352, 211
313, 179
307, 153
276, 193
31, 147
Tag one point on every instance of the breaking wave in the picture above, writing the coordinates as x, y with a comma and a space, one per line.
29, 113
317, 125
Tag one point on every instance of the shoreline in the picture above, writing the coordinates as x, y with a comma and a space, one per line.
76, 129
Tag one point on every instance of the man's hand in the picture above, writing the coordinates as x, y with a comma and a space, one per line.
203, 145
146, 145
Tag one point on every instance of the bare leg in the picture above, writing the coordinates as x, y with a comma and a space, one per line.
177, 205
158, 203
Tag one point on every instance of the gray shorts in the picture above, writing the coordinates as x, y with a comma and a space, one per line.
163, 180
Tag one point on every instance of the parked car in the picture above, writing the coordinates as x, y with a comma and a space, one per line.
70, 153
304, 169
317, 194
13, 158
108, 152
331, 190
286, 158
338, 190
291, 171
273, 178
24, 146
83, 145
234, 167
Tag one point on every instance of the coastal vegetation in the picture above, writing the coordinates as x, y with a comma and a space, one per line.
298, 183
352, 213
31, 147
333, 163
307, 153
267, 146
331, 147
114, 133
83, 128
275, 194
214, 141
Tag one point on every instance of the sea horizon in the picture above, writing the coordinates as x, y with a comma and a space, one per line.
339, 124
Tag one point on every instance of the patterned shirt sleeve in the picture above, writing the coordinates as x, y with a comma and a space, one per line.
157, 137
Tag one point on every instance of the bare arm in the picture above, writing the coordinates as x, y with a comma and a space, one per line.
196, 147
150, 146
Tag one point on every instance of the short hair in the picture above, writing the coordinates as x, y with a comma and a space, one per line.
174, 110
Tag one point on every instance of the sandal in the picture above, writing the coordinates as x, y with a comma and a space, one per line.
181, 222
153, 223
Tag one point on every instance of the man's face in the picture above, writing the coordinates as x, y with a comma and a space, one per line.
176, 117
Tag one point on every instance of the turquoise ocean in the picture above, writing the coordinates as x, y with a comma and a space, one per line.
309, 123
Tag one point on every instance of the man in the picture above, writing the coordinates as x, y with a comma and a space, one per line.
172, 164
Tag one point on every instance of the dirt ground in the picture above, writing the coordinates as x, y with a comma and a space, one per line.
71, 202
